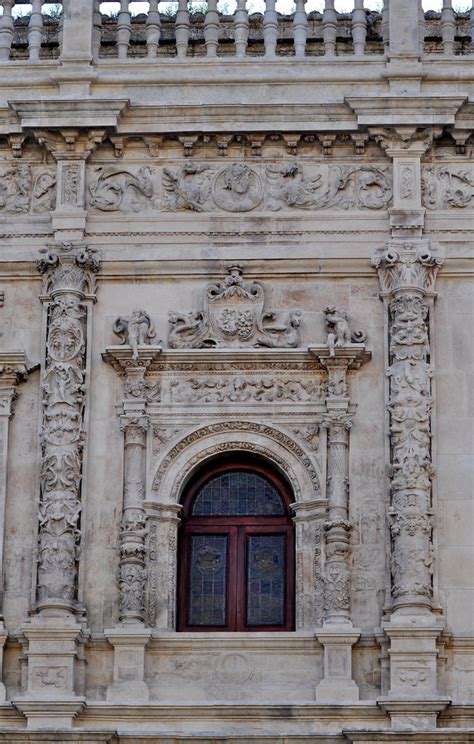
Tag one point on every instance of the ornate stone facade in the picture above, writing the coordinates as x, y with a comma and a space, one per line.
283, 210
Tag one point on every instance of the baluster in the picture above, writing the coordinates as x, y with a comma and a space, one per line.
124, 28
61, 31
472, 26
329, 28
300, 28
211, 28
448, 26
270, 28
153, 28
241, 28
421, 27
6, 29
35, 29
96, 30
386, 27
181, 28
359, 28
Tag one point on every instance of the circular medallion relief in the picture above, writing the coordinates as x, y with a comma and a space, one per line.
237, 188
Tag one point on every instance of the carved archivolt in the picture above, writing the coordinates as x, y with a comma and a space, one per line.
273, 444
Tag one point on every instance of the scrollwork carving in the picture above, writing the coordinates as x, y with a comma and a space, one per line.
244, 390
407, 274
447, 187
114, 190
25, 189
67, 275
233, 315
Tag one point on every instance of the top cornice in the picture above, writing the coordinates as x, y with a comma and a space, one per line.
397, 110
62, 113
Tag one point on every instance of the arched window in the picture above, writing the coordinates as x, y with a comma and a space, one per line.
236, 567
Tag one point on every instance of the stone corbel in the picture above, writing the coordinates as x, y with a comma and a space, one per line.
13, 369
338, 634
130, 637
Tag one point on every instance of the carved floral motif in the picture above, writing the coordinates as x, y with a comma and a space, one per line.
24, 189
112, 190
234, 315
243, 390
447, 187
407, 273
204, 187
67, 273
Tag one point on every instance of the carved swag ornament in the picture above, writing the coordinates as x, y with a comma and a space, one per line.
407, 275
68, 278
233, 316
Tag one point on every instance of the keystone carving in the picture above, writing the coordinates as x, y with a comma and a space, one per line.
407, 275
234, 315
68, 275
135, 330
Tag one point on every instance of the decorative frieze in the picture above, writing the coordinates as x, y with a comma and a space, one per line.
255, 389
234, 315
407, 274
448, 186
241, 187
27, 189
69, 284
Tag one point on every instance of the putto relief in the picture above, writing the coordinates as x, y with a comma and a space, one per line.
27, 189
239, 187
240, 389
234, 315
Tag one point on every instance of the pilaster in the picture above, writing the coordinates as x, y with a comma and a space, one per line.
55, 634
407, 274
338, 634
130, 637
13, 369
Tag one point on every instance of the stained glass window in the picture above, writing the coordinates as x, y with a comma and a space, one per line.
236, 548
208, 580
238, 493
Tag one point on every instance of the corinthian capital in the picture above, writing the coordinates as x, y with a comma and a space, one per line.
408, 265
68, 267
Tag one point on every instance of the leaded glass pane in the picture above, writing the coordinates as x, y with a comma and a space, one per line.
207, 600
266, 580
238, 493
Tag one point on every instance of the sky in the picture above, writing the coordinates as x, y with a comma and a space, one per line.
283, 6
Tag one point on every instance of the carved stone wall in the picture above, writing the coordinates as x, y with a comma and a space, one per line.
236, 204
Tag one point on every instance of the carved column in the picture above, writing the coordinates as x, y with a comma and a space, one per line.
130, 637
338, 634
55, 637
407, 274
13, 369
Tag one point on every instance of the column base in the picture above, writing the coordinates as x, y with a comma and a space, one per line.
337, 685
47, 714
129, 642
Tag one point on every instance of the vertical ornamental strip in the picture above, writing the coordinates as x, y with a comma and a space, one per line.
55, 634
130, 637
407, 273
69, 288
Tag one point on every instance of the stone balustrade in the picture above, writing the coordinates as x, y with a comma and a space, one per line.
180, 33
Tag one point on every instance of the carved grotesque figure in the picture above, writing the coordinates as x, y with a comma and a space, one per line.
137, 329
339, 331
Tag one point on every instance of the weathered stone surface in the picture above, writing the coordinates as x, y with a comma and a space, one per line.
236, 175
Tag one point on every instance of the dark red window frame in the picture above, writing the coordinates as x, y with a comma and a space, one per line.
237, 529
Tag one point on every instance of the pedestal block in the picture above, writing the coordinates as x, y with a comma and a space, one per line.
129, 644
337, 684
